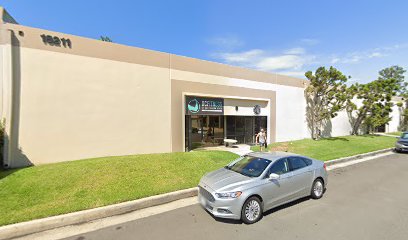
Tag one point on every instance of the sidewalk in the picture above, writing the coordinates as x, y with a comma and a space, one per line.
239, 149
387, 135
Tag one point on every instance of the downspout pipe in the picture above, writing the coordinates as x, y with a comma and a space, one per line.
7, 162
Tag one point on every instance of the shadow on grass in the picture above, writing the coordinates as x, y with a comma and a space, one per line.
336, 139
346, 140
5, 173
371, 136
368, 136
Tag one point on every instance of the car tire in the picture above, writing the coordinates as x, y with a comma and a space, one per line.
317, 190
252, 210
397, 150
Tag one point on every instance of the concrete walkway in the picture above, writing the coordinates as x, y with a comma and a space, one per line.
240, 149
387, 135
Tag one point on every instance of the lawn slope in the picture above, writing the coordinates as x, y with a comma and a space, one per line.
332, 148
53, 189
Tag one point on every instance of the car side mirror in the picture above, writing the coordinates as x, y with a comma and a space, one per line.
273, 176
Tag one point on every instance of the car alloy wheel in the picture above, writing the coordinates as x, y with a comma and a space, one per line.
317, 189
252, 210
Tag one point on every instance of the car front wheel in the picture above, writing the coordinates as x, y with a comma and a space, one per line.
251, 210
317, 189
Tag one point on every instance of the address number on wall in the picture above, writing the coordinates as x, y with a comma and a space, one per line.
56, 41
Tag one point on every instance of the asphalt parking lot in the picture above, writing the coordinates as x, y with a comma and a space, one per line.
368, 200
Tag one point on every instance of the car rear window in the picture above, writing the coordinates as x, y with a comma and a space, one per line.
307, 161
296, 163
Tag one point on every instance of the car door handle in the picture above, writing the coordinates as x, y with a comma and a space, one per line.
289, 176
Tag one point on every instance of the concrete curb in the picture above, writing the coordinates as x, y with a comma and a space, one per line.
39, 225
359, 156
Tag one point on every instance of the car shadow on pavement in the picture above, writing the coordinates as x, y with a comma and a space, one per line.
224, 220
273, 210
399, 152
286, 205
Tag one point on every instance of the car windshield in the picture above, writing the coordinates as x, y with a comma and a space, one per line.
250, 166
404, 136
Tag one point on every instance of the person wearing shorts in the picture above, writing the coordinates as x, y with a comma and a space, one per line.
261, 139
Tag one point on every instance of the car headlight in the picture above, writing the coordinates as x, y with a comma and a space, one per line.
399, 144
228, 195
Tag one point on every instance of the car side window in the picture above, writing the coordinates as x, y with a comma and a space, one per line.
296, 163
279, 167
307, 161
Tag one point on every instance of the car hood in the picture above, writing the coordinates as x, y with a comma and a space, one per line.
223, 180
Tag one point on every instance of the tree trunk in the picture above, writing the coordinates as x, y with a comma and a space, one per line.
358, 122
312, 127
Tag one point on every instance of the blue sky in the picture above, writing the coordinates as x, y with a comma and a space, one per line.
290, 37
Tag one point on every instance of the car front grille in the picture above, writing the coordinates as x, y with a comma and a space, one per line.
206, 194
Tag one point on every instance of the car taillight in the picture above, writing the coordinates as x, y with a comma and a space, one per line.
324, 166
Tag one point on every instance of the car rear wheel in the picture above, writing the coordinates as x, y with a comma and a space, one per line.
251, 210
317, 189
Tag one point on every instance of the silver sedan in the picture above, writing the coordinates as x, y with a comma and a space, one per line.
257, 182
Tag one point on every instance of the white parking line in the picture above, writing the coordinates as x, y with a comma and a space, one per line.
73, 230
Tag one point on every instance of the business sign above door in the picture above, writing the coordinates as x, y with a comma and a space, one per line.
204, 106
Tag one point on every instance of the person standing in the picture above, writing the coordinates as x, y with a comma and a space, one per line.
210, 134
261, 139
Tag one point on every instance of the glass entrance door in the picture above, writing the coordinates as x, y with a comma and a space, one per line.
249, 130
244, 128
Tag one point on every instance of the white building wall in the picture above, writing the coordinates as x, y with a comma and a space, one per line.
245, 107
291, 123
393, 125
340, 125
290, 114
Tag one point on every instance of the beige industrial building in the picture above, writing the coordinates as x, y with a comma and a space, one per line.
66, 97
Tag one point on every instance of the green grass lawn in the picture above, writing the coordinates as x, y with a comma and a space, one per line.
332, 148
53, 189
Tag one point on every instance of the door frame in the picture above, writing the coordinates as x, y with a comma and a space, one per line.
183, 111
